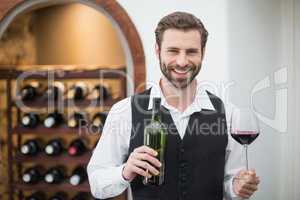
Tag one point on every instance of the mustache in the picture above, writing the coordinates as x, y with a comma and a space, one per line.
177, 67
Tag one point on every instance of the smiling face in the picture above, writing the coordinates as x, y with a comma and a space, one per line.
180, 56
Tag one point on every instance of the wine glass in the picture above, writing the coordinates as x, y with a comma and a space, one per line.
244, 128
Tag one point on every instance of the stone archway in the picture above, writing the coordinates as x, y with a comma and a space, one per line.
9, 9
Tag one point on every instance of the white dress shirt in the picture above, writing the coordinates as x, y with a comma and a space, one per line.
106, 164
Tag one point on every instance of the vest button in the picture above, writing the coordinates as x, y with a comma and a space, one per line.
183, 178
183, 165
182, 150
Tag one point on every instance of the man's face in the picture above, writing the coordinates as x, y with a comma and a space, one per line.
180, 56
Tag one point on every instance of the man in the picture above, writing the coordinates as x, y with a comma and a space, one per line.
201, 160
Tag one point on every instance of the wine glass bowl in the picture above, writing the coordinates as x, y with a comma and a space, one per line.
244, 127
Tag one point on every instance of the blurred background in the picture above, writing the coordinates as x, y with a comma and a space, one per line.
252, 59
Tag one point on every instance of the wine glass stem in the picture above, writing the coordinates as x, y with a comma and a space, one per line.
246, 151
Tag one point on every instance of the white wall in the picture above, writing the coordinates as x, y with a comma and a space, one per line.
249, 41
146, 14
291, 141
296, 135
254, 30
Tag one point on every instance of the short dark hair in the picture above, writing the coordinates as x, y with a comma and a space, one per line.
182, 21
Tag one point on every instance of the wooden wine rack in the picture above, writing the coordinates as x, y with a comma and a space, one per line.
15, 160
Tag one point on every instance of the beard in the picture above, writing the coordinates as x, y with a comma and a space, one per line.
180, 83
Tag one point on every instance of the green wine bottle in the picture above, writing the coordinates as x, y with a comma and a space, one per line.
155, 138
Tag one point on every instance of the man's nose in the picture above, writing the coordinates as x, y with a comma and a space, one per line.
182, 60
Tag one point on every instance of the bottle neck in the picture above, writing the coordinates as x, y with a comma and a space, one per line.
156, 110
156, 115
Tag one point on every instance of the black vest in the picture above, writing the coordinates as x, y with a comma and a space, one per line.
194, 165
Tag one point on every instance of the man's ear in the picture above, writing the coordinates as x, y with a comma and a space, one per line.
157, 50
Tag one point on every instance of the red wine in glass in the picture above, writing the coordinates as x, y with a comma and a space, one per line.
245, 137
244, 128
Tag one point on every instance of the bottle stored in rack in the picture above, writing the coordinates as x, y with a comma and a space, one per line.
30, 120
59, 196
78, 91
81, 196
54, 147
77, 147
31, 147
39, 195
30, 91
53, 119
98, 122
55, 91
100, 92
77, 120
78, 176
55, 175
32, 175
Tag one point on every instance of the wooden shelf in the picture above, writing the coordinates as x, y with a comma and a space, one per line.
65, 74
60, 159
6, 73
84, 187
44, 67
60, 130
15, 134
42, 103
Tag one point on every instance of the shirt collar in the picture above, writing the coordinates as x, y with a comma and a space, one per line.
201, 101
